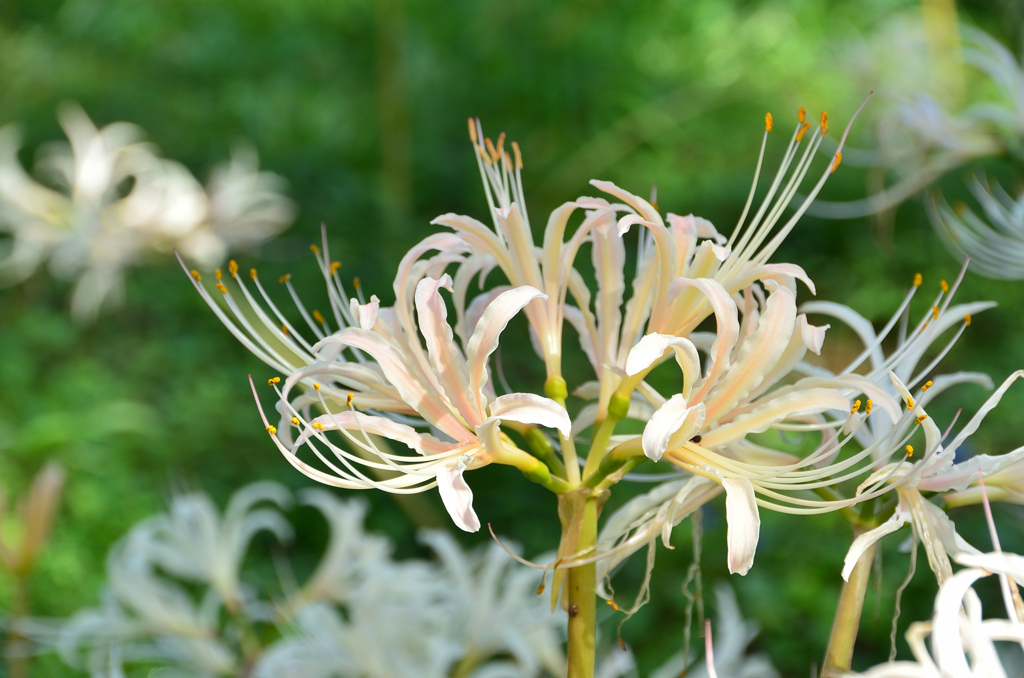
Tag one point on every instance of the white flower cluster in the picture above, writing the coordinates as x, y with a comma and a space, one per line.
176, 598
111, 201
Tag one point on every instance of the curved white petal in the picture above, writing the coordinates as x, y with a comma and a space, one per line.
457, 497
758, 420
652, 347
744, 523
493, 321
527, 408
863, 542
728, 331
813, 335
381, 426
666, 421
366, 313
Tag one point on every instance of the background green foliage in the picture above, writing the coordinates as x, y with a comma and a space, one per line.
361, 105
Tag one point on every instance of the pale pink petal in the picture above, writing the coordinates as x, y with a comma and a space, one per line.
779, 272
478, 306
757, 356
366, 314
644, 208
667, 421
609, 257
485, 335
666, 253
409, 387
727, 318
813, 336
959, 476
457, 497
863, 542
855, 321
445, 357
652, 347
790, 405
352, 420
744, 523
527, 408
989, 405
721, 252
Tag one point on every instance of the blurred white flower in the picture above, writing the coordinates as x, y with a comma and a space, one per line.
111, 201
994, 240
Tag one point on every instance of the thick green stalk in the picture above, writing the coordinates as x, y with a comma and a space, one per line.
847, 622
582, 600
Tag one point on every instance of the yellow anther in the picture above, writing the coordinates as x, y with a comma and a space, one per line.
910, 403
217, 274
919, 419
252, 273
356, 282
316, 386
349, 400
935, 312
272, 430
284, 329
318, 426
318, 316
803, 131
927, 385
335, 265
518, 155
507, 158
910, 450
959, 208
918, 279
801, 115
824, 123
295, 420
540, 589
273, 380
284, 278
835, 163
767, 122
856, 406
483, 153
491, 150
867, 410
944, 285
967, 319
501, 144
613, 604
314, 249
195, 274
220, 286
233, 268
472, 130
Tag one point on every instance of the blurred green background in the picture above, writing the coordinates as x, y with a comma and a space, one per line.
361, 106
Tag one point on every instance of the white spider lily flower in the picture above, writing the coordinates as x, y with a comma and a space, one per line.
662, 302
995, 240
963, 642
937, 472
496, 610
91, 231
704, 428
150, 618
194, 542
442, 383
870, 369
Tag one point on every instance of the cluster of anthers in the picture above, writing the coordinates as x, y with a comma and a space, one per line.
404, 373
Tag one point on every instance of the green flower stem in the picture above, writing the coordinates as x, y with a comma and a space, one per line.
618, 409
582, 599
543, 449
556, 389
531, 467
847, 622
616, 469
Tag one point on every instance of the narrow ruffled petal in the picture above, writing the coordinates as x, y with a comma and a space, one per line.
527, 408
744, 523
485, 335
366, 313
863, 542
760, 419
457, 497
728, 331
